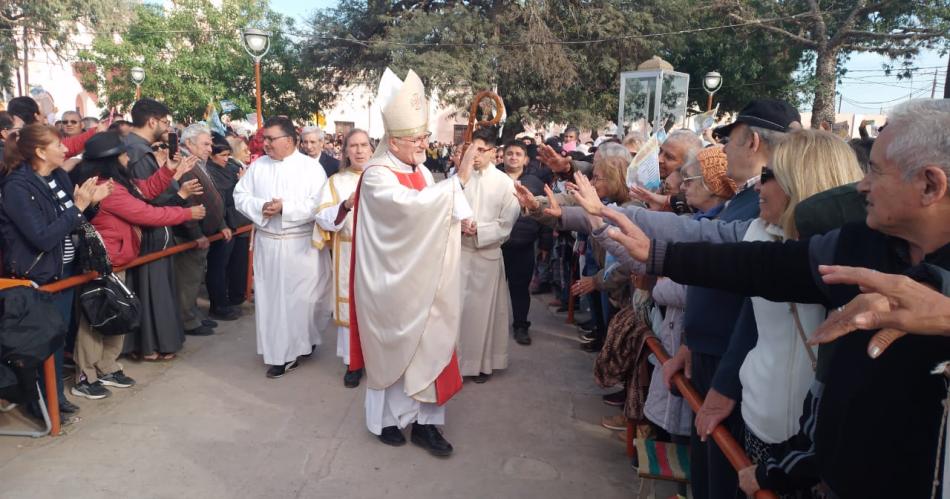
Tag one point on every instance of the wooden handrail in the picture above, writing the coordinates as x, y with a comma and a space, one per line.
77, 280
49, 368
730, 448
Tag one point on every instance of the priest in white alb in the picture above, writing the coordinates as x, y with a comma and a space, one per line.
335, 223
405, 299
486, 304
280, 193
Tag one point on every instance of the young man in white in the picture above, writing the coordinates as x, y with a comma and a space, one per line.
280, 193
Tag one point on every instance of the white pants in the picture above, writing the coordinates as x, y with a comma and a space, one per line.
392, 407
343, 343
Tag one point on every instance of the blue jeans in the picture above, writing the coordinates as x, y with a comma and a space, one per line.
63, 301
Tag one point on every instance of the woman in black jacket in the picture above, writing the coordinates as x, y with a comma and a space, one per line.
40, 213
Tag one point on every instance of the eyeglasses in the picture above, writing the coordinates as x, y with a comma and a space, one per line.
268, 140
416, 140
483, 150
687, 180
767, 174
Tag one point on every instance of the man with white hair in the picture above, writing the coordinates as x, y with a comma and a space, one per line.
405, 292
678, 148
280, 193
312, 140
190, 266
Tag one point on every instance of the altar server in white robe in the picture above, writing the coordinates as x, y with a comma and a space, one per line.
280, 193
486, 304
406, 282
335, 223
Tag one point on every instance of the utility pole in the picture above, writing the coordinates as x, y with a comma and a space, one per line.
933, 89
26, 61
946, 83
840, 98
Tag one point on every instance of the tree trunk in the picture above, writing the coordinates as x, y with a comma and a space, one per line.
823, 107
946, 83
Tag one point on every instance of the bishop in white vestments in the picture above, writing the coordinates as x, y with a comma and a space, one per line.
406, 282
335, 222
280, 193
486, 304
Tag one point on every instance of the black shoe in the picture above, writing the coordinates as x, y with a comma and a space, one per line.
430, 438
69, 363
67, 407
588, 337
587, 327
275, 372
481, 378
200, 331
313, 348
352, 378
521, 336
117, 379
91, 391
593, 346
208, 323
225, 314
616, 399
392, 436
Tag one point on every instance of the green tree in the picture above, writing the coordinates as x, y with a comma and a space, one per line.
51, 23
193, 54
833, 29
550, 61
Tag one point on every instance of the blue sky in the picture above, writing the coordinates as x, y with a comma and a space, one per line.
866, 89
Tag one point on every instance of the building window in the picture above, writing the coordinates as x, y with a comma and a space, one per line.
458, 134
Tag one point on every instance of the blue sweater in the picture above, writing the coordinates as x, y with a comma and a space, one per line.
711, 315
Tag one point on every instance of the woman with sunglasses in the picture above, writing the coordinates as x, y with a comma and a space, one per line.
777, 367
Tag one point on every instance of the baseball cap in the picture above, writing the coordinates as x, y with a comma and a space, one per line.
770, 114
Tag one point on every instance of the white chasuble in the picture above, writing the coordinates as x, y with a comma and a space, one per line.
486, 304
292, 279
338, 189
406, 277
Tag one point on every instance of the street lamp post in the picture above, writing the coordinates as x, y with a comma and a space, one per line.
257, 43
138, 76
711, 83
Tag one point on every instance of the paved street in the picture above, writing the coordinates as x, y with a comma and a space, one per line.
210, 425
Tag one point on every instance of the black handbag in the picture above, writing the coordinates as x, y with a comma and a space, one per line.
109, 306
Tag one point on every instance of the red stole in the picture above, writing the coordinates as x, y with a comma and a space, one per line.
449, 381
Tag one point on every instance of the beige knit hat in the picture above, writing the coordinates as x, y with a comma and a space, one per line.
713, 164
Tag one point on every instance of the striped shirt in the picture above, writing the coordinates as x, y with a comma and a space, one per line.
69, 248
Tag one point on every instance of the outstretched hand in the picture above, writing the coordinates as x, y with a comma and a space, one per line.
554, 208
894, 304
586, 195
526, 198
556, 162
654, 201
628, 234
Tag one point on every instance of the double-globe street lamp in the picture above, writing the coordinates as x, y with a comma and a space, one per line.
138, 76
257, 43
711, 83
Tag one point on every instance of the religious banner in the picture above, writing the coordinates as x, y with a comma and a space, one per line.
644, 170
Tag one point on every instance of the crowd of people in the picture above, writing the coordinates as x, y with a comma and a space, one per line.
743, 265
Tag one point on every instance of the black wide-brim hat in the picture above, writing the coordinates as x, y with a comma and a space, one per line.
770, 114
104, 145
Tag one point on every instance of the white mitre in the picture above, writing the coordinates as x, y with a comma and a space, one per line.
404, 107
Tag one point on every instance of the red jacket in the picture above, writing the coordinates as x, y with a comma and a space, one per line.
77, 143
121, 213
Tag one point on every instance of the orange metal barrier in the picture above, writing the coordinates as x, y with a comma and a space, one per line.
49, 367
732, 450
